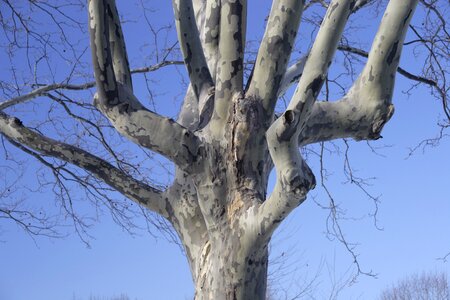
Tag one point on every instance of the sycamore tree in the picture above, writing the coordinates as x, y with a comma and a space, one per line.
229, 134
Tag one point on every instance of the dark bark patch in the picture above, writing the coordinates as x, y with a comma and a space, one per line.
371, 77
237, 66
407, 17
352, 5
315, 85
392, 53
123, 108
17, 122
289, 116
206, 113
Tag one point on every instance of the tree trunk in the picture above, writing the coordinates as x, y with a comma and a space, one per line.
228, 272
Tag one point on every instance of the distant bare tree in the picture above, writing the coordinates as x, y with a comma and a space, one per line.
427, 286
122, 296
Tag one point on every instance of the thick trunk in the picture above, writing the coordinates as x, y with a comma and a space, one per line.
228, 273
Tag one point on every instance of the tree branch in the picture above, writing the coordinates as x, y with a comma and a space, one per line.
319, 59
230, 70
294, 72
274, 52
360, 4
117, 43
105, 78
189, 115
362, 113
292, 75
400, 70
117, 101
208, 22
137, 191
43, 90
191, 47
294, 177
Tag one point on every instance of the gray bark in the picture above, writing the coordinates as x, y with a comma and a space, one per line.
227, 138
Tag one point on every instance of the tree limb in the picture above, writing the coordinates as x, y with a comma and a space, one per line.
42, 90
191, 47
319, 59
117, 101
294, 72
294, 177
362, 113
292, 75
230, 70
137, 191
117, 43
274, 52
208, 22
400, 70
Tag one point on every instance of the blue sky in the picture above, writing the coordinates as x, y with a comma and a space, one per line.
414, 214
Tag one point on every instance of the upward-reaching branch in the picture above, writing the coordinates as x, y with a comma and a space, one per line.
209, 17
194, 58
362, 113
118, 49
230, 70
116, 99
274, 52
294, 177
377, 79
319, 59
105, 78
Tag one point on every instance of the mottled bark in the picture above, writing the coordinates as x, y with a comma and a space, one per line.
274, 52
116, 100
194, 59
230, 59
362, 113
227, 139
150, 197
230, 272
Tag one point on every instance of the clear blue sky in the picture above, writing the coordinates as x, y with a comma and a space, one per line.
414, 213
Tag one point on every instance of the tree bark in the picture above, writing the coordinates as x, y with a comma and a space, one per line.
230, 271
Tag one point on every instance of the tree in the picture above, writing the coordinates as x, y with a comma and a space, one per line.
425, 286
228, 136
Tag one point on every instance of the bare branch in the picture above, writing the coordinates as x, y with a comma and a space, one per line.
400, 70
189, 114
137, 191
44, 89
102, 61
319, 59
360, 4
